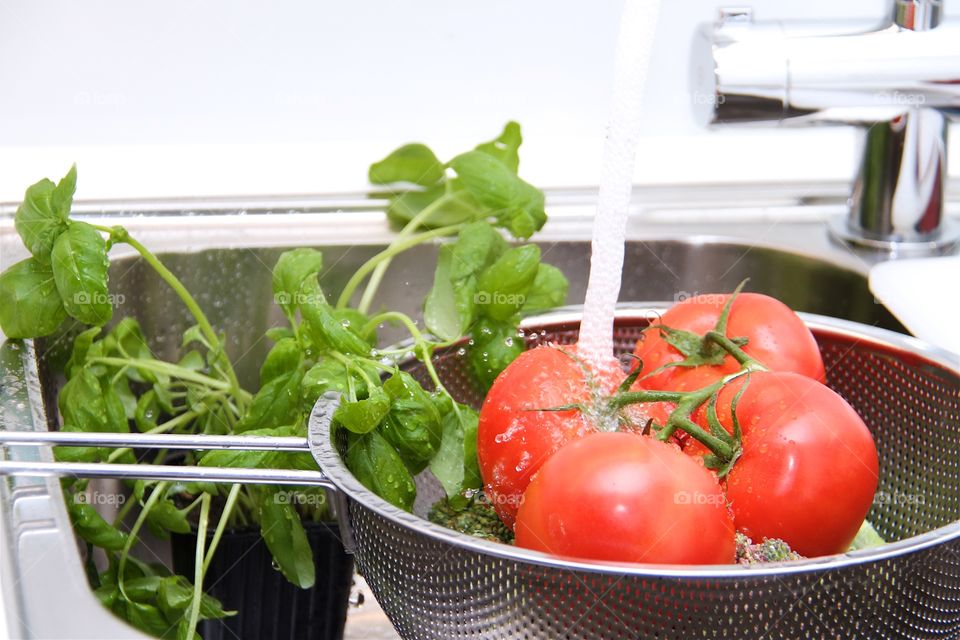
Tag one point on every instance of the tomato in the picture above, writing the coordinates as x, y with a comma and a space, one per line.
513, 438
628, 498
776, 337
809, 469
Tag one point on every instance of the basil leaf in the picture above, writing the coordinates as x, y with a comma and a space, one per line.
145, 617
80, 265
477, 247
243, 459
455, 464
91, 526
283, 358
81, 347
293, 268
164, 517
31, 305
495, 345
518, 205
364, 415
277, 403
447, 312
282, 531
147, 411
331, 375
325, 328
42, 216
377, 465
504, 147
448, 206
414, 163
175, 595
502, 287
549, 290
413, 424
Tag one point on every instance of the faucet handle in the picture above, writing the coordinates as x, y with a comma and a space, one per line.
917, 15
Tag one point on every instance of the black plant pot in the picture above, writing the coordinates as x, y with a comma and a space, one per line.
242, 577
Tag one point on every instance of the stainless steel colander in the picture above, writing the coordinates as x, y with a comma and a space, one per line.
435, 583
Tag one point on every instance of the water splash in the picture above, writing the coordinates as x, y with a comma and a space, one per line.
634, 45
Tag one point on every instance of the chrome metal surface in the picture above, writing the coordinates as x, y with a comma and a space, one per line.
165, 472
899, 81
435, 583
160, 440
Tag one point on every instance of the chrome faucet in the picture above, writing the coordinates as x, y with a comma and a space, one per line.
899, 81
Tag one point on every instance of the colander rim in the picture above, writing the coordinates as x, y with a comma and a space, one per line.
332, 466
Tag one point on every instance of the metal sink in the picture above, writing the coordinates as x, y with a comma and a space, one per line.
679, 243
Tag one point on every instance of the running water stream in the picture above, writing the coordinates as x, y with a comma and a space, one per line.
634, 45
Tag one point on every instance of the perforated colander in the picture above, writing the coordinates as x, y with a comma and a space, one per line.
435, 583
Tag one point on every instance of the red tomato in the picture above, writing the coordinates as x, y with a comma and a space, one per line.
809, 469
777, 338
628, 498
513, 438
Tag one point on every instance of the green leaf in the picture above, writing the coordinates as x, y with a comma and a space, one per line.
364, 415
284, 357
504, 148
282, 531
244, 459
325, 328
89, 405
276, 334
866, 538
549, 290
292, 270
455, 464
276, 404
502, 287
495, 345
518, 205
145, 617
447, 313
331, 375
90, 526
42, 216
413, 424
175, 595
378, 467
127, 339
81, 347
414, 163
448, 206
147, 412
164, 516
477, 247
31, 305
80, 266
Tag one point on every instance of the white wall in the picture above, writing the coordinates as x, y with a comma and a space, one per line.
243, 97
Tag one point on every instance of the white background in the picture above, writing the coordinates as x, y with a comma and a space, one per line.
233, 98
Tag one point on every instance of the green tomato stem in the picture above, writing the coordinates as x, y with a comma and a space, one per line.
377, 276
199, 566
395, 248
739, 354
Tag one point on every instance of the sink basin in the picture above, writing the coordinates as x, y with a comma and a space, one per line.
224, 255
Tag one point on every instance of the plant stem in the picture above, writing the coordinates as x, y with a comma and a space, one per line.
132, 536
221, 525
160, 366
377, 276
198, 565
717, 446
122, 235
397, 247
634, 397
